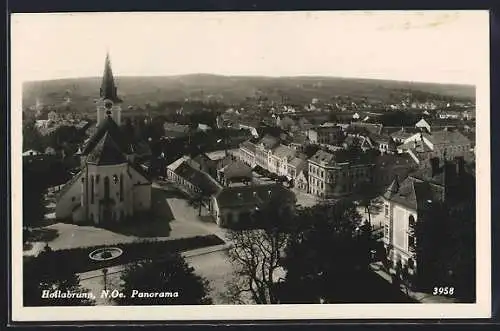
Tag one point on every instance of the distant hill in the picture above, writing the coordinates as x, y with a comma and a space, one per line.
231, 89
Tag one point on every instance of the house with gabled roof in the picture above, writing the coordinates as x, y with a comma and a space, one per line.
236, 206
444, 186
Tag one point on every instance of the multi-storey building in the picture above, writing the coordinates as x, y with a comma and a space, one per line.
425, 199
424, 146
326, 134
335, 174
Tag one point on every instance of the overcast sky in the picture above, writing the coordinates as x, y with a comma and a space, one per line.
439, 46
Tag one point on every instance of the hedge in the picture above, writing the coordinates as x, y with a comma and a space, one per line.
77, 259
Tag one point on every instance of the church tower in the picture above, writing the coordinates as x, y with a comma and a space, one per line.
108, 104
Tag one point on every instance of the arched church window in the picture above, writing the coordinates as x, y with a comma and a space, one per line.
106, 187
121, 187
91, 189
411, 221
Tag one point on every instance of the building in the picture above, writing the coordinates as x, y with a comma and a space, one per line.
110, 187
235, 206
385, 144
295, 166
175, 130
405, 134
192, 179
31, 152
247, 153
424, 146
390, 166
326, 134
423, 124
333, 175
263, 151
302, 180
429, 195
235, 172
280, 156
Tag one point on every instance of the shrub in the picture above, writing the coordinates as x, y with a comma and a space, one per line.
77, 259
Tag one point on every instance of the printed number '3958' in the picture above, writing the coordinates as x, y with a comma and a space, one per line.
443, 290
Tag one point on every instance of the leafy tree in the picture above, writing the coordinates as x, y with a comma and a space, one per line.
368, 194
327, 255
33, 198
32, 139
171, 274
43, 273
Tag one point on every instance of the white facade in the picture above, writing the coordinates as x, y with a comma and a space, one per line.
100, 193
102, 112
398, 234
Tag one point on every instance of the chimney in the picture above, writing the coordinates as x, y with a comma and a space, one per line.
434, 162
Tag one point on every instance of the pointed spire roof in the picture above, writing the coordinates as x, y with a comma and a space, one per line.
393, 188
108, 88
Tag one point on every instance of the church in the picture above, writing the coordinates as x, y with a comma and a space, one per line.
109, 187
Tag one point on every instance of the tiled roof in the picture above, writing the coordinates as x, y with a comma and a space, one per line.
269, 141
248, 146
322, 156
109, 126
174, 165
370, 127
287, 122
405, 195
296, 162
252, 195
283, 151
237, 169
106, 152
389, 160
198, 178
447, 137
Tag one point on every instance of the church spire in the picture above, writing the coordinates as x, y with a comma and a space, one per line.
108, 88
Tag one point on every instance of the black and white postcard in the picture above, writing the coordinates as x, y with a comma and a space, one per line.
250, 165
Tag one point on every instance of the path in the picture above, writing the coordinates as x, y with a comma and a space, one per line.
421, 297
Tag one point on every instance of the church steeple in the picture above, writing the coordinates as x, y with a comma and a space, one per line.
108, 105
108, 88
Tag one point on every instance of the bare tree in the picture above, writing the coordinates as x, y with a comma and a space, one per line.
256, 255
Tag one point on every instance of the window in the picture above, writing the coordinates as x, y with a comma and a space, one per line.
121, 187
106, 187
91, 189
386, 209
411, 221
386, 230
411, 242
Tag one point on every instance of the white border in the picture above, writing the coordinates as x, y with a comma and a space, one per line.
481, 309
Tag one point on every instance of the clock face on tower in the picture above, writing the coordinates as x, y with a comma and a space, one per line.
108, 104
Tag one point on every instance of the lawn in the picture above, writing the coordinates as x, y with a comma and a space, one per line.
77, 259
